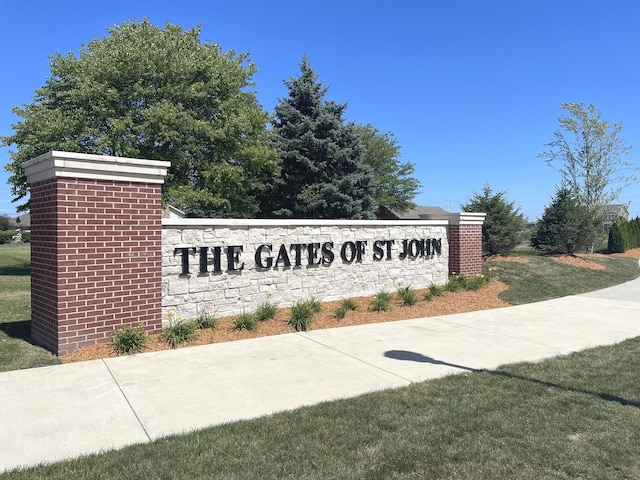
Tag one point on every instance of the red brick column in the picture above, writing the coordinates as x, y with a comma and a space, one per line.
96, 242
465, 243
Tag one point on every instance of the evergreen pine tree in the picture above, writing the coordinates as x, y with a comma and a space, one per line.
503, 225
322, 175
565, 226
615, 243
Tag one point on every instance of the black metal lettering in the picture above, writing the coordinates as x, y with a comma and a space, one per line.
348, 252
233, 258
436, 245
378, 251
297, 248
259, 259
283, 257
327, 253
203, 259
184, 253
312, 254
217, 259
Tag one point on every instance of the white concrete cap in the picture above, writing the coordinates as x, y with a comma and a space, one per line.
55, 164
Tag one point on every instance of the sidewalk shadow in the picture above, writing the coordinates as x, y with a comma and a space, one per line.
418, 357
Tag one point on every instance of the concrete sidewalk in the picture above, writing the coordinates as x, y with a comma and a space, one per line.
54, 413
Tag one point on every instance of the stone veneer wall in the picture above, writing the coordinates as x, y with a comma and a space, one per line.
102, 257
232, 292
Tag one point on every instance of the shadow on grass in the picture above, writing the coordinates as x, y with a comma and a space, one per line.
418, 357
19, 330
603, 396
24, 269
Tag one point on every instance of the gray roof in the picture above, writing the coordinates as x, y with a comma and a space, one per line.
420, 211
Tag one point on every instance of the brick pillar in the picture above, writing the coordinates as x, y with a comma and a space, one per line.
96, 242
465, 243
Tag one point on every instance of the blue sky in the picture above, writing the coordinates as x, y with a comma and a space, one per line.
471, 89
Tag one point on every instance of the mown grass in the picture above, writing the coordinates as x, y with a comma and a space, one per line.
543, 278
15, 312
570, 417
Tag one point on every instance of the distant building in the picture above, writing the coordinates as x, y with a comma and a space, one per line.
24, 221
612, 212
169, 211
417, 213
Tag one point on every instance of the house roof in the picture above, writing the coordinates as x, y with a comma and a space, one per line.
24, 221
416, 213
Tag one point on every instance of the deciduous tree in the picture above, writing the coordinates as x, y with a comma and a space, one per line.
161, 94
396, 187
589, 153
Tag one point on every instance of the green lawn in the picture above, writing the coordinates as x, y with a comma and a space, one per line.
543, 278
15, 312
575, 416
566, 418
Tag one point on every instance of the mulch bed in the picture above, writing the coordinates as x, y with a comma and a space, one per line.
449, 303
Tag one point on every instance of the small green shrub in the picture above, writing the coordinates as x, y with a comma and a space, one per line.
456, 283
348, 304
179, 332
266, 311
129, 339
340, 312
477, 282
314, 305
381, 302
302, 313
206, 320
433, 292
407, 296
245, 321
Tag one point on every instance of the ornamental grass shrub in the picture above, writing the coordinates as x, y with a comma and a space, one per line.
129, 339
381, 302
245, 321
302, 312
407, 296
266, 311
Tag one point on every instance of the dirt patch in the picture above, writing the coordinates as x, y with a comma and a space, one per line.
506, 258
633, 253
577, 261
584, 260
446, 304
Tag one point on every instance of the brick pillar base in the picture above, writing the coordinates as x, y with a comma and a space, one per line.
465, 243
96, 245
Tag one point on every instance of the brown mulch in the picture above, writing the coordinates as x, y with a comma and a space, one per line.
448, 303
577, 261
584, 261
633, 253
506, 258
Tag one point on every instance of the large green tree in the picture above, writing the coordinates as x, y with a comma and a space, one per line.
589, 153
504, 224
161, 94
322, 172
396, 187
